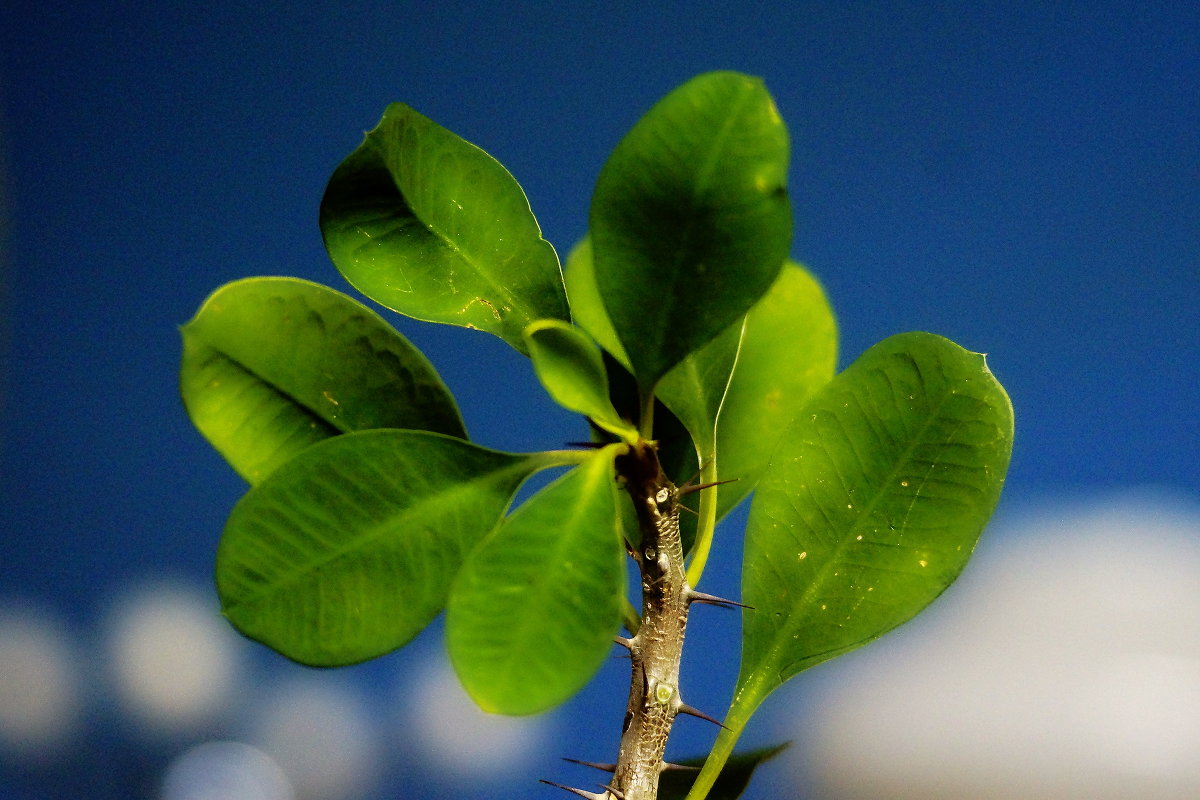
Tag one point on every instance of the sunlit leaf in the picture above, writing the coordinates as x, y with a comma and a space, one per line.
690, 221
587, 307
429, 225
571, 369
534, 610
348, 550
871, 506
788, 351
869, 509
273, 365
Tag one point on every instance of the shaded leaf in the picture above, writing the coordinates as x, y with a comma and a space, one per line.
734, 778
273, 365
690, 220
534, 610
871, 506
429, 225
695, 388
788, 351
571, 369
348, 550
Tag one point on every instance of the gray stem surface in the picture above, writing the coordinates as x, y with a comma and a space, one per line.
657, 646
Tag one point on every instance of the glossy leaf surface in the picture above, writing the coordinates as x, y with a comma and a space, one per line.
690, 220
788, 351
273, 365
571, 369
348, 550
872, 504
869, 509
429, 225
534, 610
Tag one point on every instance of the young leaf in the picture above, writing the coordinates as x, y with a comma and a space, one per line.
690, 220
871, 505
534, 610
788, 351
273, 365
695, 388
429, 225
587, 308
571, 369
348, 550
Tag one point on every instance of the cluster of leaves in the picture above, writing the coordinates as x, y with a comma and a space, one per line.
679, 320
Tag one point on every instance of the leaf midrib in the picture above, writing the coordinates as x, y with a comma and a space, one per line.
378, 531
530, 627
465, 256
700, 187
772, 653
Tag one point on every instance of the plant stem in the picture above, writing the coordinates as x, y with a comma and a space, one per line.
657, 646
707, 525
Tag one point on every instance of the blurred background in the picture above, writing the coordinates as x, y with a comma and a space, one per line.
1023, 178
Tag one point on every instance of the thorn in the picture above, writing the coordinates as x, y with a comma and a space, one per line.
697, 473
580, 792
684, 708
699, 487
713, 600
689, 509
621, 640
668, 767
614, 791
593, 765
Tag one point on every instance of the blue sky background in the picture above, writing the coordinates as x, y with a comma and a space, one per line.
1023, 178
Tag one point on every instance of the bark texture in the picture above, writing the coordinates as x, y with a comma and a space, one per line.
657, 647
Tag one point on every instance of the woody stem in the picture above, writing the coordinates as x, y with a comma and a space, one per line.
657, 646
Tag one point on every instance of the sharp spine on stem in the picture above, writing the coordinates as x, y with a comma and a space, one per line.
684, 708
580, 792
592, 764
712, 600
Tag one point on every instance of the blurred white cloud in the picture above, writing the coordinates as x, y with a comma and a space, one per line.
318, 729
40, 687
464, 745
225, 771
1064, 664
176, 663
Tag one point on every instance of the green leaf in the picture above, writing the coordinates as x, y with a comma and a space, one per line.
874, 501
869, 509
690, 220
784, 349
695, 388
587, 307
534, 610
429, 225
734, 778
348, 550
273, 365
571, 369
788, 351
